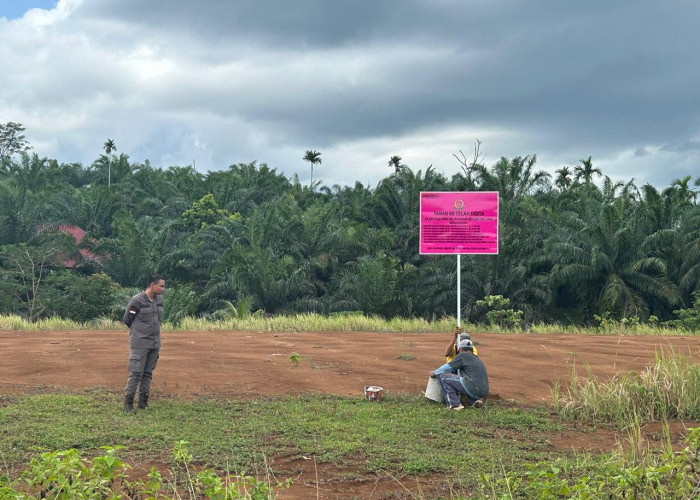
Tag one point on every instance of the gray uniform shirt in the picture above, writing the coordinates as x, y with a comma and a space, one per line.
472, 372
144, 332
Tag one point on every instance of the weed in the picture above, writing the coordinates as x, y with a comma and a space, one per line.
640, 474
67, 475
688, 319
668, 389
295, 358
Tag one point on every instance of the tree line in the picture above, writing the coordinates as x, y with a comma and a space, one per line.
574, 247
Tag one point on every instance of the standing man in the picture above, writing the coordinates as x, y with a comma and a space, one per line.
464, 374
143, 316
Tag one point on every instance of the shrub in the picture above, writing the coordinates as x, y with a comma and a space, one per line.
649, 475
499, 314
688, 319
67, 475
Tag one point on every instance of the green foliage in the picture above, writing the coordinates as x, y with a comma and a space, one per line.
688, 319
205, 212
67, 475
25, 269
12, 140
78, 297
375, 285
666, 475
128, 255
180, 302
295, 358
249, 238
599, 255
498, 313
239, 312
606, 322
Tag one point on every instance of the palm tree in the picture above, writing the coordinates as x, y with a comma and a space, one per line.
586, 170
682, 192
395, 205
602, 253
395, 162
563, 180
688, 257
610, 189
313, 157
109, 146
512, 178
30, 174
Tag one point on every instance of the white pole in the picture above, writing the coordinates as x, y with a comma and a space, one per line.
459, 290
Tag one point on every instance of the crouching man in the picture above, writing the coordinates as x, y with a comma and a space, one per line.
464, 374
143, 316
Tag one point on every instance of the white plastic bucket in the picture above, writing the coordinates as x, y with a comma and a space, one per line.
434, 390
373, 392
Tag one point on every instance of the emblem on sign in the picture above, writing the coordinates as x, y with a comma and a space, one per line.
459, 204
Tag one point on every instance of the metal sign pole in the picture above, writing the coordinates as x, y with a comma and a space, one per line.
459, 290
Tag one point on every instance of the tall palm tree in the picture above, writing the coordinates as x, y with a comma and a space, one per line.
395, 162
610, 189
586, 170
563, 180
313, 157
681, 191
109, 146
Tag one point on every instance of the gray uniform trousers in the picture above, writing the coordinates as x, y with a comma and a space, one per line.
142, 362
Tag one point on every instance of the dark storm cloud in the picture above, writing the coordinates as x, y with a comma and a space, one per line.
613, 79
599, 72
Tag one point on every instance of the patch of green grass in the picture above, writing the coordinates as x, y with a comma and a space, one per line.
404, 435
406, 357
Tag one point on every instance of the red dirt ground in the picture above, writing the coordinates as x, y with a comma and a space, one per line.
521, 368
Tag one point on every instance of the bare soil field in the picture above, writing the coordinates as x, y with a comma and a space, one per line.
242, 365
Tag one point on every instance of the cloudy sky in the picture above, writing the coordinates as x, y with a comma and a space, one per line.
220, 82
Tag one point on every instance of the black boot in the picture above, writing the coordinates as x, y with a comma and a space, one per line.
143, 400
129, 403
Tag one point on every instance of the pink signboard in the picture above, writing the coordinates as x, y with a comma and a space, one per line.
459, 222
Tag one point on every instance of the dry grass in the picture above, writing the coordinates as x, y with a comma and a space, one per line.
668, 389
